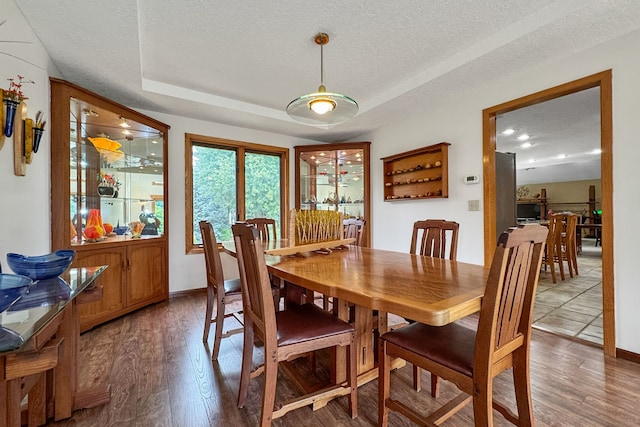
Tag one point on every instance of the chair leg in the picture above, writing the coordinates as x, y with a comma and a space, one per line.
269, 390
207, 318
384, 383
353, 378
483, 401
247, 359
435, 386
522, 387
417, 378
219, 325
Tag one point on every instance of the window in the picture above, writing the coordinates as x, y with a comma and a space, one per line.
229, 181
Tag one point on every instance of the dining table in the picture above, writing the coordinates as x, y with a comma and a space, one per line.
39, 350
430, 290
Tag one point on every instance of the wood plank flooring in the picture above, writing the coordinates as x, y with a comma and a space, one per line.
161, 375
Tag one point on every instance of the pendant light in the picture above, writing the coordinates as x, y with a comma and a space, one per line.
322, 108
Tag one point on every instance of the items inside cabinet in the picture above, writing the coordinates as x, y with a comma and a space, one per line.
334, 177
117, 169
417, 174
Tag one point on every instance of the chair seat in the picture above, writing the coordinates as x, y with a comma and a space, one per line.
299, 323
451, 345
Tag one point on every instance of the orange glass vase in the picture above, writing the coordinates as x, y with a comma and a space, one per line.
94, 228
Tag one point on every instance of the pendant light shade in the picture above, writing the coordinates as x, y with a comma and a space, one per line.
322, 108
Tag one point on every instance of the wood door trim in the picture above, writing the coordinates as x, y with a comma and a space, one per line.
603, 80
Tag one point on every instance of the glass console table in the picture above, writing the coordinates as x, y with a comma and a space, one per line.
40, 333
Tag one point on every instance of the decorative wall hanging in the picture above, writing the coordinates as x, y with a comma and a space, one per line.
26, 132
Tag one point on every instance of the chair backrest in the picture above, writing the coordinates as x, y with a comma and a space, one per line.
215, 276
570, 220
507, 305
433, 242
355, 230
554, 238
257, 299
266, 227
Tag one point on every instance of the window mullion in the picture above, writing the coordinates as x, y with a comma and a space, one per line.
240, 180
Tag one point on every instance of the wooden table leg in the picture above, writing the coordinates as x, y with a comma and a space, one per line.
65, 378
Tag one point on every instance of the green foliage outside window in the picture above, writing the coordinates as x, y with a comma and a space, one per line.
215, 183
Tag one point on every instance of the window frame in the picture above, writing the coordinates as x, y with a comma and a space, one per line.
240, 147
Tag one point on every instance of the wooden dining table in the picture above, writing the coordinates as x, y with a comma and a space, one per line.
429, 290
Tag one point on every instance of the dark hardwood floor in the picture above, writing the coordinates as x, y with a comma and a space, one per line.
161, 375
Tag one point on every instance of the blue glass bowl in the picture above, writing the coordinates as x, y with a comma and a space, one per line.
12, 287
42, 266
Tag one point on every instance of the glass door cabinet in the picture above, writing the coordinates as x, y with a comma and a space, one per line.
108, 197
335, 177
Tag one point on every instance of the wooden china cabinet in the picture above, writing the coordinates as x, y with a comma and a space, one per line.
110, 158
335, 177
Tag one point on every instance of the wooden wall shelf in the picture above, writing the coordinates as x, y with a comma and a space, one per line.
417, 174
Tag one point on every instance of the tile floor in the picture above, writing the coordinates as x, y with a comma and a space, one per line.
573, 307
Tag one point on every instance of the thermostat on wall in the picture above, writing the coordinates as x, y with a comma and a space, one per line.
471, 179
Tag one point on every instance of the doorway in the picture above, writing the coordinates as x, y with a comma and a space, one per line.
603, 82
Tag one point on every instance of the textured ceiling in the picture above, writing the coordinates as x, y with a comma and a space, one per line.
242, 62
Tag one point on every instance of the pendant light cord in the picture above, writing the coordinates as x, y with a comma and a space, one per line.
322, 65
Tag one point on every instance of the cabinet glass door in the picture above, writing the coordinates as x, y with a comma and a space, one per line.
116, 167
333, 180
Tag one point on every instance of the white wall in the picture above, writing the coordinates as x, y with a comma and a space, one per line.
459, 121
24, 200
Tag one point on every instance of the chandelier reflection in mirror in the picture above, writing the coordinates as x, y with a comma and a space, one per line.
322, 108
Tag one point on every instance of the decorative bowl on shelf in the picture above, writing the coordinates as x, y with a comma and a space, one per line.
12, 287
42, 266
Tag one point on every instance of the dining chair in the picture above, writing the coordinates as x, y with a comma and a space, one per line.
355, 229
266, 227
553, 247
286, 334
433, 235
569, 239
472, 358
220, 292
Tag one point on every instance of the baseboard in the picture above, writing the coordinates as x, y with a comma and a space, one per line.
627, 355
186, 293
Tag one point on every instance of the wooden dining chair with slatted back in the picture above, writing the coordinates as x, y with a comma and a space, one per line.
569, 245
436, 238
286, 334
472, 358
265, 226
355, 230
220, 292
553, 247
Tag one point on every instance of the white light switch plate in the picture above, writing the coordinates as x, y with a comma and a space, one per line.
474, 205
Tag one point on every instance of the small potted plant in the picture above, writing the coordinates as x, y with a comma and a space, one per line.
12, 98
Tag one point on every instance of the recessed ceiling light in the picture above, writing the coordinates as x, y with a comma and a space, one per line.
154, 142
317, 162
523, 137
313, 157
508, 132
561, 156
525, 145
532, 160
597, 151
